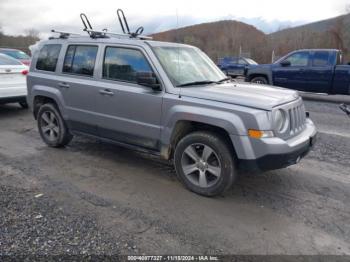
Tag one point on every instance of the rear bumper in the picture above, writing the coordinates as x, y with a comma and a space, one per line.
13, 99
279, 153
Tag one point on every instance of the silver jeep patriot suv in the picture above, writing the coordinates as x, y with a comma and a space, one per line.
166, 99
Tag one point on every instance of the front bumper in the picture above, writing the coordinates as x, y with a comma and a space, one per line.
275, 153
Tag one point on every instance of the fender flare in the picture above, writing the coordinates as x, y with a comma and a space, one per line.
52, 93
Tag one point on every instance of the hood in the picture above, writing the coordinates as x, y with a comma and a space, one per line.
245, 94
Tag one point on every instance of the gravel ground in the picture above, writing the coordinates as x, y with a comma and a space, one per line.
35, 224
102, 199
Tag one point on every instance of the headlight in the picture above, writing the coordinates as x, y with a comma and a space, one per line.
279, 120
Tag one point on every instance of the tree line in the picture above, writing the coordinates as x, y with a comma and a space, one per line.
21, 42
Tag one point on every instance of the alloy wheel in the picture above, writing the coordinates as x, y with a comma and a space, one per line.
201, 165
49, 126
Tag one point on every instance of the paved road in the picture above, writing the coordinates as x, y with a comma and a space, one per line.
99, 198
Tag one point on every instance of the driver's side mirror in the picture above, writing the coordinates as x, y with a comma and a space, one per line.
285, 63
147, 79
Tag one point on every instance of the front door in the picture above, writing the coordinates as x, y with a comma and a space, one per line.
292, 75
128, 112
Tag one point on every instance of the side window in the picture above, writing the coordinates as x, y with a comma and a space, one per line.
80, 60
48, 56
299, 59
320, 59
123, 64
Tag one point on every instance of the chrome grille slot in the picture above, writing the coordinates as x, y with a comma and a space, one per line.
296, 118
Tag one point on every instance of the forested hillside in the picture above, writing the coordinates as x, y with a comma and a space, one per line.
225, 38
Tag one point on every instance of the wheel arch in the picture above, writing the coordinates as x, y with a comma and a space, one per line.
262, 71
252, 76
184, 127
41, 95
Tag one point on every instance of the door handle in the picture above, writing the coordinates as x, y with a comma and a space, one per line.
63, 85
106, 92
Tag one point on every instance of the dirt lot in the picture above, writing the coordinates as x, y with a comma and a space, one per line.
95, 198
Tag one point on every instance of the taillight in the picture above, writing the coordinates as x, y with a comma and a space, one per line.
25, 72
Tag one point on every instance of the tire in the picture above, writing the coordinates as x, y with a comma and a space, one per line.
52, 128
198, 175
259, 80
24, 105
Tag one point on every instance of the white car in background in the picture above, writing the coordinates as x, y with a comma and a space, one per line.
13, 86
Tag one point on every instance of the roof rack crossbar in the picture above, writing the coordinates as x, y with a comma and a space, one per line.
117, 34
63, 34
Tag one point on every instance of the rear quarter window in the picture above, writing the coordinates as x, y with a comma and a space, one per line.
48, 57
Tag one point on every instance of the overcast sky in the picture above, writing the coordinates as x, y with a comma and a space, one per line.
16, 16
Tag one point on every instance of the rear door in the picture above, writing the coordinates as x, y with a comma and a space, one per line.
78, 86
320, 74
128, 112
293, 76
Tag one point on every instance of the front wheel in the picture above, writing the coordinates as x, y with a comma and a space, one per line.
259, 80
204, 163
52, 128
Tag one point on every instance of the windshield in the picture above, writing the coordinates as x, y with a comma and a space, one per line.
15, 54
185, 65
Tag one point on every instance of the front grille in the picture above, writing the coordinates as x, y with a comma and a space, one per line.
297, 118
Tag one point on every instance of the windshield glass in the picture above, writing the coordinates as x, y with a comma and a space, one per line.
187, 65
15, 54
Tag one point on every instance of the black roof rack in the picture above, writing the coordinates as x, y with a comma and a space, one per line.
89, 30
104, 33
123, 22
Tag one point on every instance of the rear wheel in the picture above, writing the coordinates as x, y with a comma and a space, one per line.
259, 80
52, 128
204, 163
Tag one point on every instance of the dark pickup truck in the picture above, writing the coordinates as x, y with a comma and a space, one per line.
235, 66
311, 70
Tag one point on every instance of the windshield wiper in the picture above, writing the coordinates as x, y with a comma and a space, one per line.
197, 83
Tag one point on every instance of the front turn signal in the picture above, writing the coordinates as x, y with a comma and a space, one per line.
253, 133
